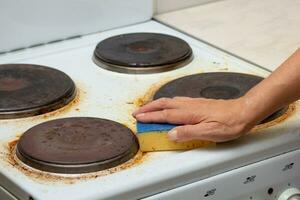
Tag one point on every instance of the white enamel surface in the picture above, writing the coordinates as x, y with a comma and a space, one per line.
31, 22
108, 94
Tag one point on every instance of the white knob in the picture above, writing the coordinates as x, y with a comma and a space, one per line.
290, 194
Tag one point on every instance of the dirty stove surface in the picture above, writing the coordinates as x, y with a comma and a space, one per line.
110, 95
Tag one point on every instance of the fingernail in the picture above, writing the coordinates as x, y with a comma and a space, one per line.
172, 135
140, 115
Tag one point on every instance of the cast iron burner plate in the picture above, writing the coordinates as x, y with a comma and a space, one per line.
77, 145
142, 53
215, 85
27, 90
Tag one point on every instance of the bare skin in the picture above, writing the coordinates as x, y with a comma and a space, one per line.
224, 120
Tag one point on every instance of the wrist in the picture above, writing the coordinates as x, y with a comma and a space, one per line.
252, 111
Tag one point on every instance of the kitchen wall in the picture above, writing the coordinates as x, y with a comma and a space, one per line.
163, 6
31, 22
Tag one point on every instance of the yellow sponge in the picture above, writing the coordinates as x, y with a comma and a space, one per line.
158, 141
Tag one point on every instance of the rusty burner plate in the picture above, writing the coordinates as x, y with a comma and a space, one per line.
28, 90
142, 53
215, 85
77, 145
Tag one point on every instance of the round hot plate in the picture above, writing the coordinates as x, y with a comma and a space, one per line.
27, 90
142, 53
77, 145
215, 85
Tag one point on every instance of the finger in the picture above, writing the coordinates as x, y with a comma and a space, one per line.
184, 133
159, 104
191, 102
202, 131
180, 98
172, 116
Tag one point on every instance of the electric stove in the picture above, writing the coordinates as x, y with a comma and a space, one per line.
262, 165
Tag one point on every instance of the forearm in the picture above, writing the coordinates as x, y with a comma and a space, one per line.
281, 88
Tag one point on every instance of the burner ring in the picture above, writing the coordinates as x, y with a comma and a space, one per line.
138, 53
141, 70
77, 145
216, 85
28, 90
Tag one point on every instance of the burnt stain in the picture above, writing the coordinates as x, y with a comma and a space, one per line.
148, 96
42, 177
292, 108
50, 178
12, 84
78, 98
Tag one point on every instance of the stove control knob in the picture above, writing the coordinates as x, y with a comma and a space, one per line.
290, 194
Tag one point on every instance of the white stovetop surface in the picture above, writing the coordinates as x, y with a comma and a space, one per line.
108, 94
264, 32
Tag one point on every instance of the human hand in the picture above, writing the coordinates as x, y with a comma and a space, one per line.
199, 119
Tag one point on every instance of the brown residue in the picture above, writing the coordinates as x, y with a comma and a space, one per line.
224, 69
291, 110
64, 109
148, 96
49, 178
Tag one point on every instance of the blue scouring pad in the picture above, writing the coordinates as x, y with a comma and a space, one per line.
150, 127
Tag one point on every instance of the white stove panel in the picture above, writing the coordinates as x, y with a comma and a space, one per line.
265, 180
110, 95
